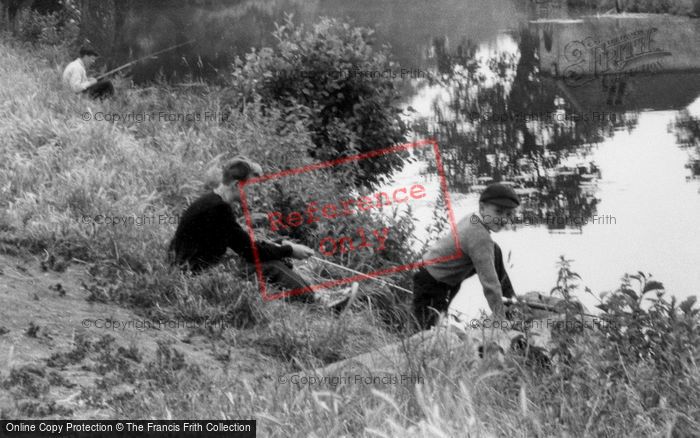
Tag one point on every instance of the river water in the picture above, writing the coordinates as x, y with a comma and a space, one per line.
630, 159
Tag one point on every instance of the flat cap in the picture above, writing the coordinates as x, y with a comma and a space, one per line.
500, 194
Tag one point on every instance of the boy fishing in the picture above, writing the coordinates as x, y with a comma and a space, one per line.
208, 227
75, 76
435, 285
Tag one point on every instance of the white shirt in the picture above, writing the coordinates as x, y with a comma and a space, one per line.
75, 76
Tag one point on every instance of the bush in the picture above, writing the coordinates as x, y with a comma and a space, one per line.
52, 28
389, 305
330, 78
665, 334
638, 361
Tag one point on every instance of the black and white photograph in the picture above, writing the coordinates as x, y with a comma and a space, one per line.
359, 218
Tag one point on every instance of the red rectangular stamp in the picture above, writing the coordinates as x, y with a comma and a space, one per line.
324, 216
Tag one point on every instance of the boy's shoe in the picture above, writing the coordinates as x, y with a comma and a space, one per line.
337, 300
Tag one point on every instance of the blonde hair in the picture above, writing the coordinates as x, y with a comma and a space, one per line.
236, 169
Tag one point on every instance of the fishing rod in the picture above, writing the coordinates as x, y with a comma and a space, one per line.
536, 306
362, 274
128, 64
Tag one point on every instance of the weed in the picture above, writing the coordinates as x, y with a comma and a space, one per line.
81, 348
42, 409
58, 287
57, 379
33, 330
30, 379
169, 366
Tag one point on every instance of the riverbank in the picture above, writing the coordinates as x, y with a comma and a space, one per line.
72, 169
62, 169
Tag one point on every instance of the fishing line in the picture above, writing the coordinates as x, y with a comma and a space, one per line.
363, 274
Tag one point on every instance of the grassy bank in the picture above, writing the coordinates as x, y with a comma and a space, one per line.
57, 168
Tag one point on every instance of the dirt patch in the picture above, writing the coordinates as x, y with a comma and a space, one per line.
63, 356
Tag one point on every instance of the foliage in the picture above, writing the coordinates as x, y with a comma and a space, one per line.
635, 341
665, 334
687, 131
438, 224
54, 28
333, 80
566, 333
294, 194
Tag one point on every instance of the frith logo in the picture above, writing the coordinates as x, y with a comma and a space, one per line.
631, 52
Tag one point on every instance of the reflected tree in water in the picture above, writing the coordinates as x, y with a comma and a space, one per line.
687, 131
498, 120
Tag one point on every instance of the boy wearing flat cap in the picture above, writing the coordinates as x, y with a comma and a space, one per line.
435, 285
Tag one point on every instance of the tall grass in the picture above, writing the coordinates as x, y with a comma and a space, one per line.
59, 171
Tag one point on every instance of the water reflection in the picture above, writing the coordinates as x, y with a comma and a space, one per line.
221, 30
225, 29
548, 9
498, 120
687, 130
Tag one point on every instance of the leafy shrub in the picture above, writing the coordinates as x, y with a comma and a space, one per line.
333, 80
388, 304
568, 332
638, 361
665, 333
53, 28
631, 372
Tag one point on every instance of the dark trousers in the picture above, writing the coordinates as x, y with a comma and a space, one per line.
284, 277
277, 272
429, 292
101, 90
